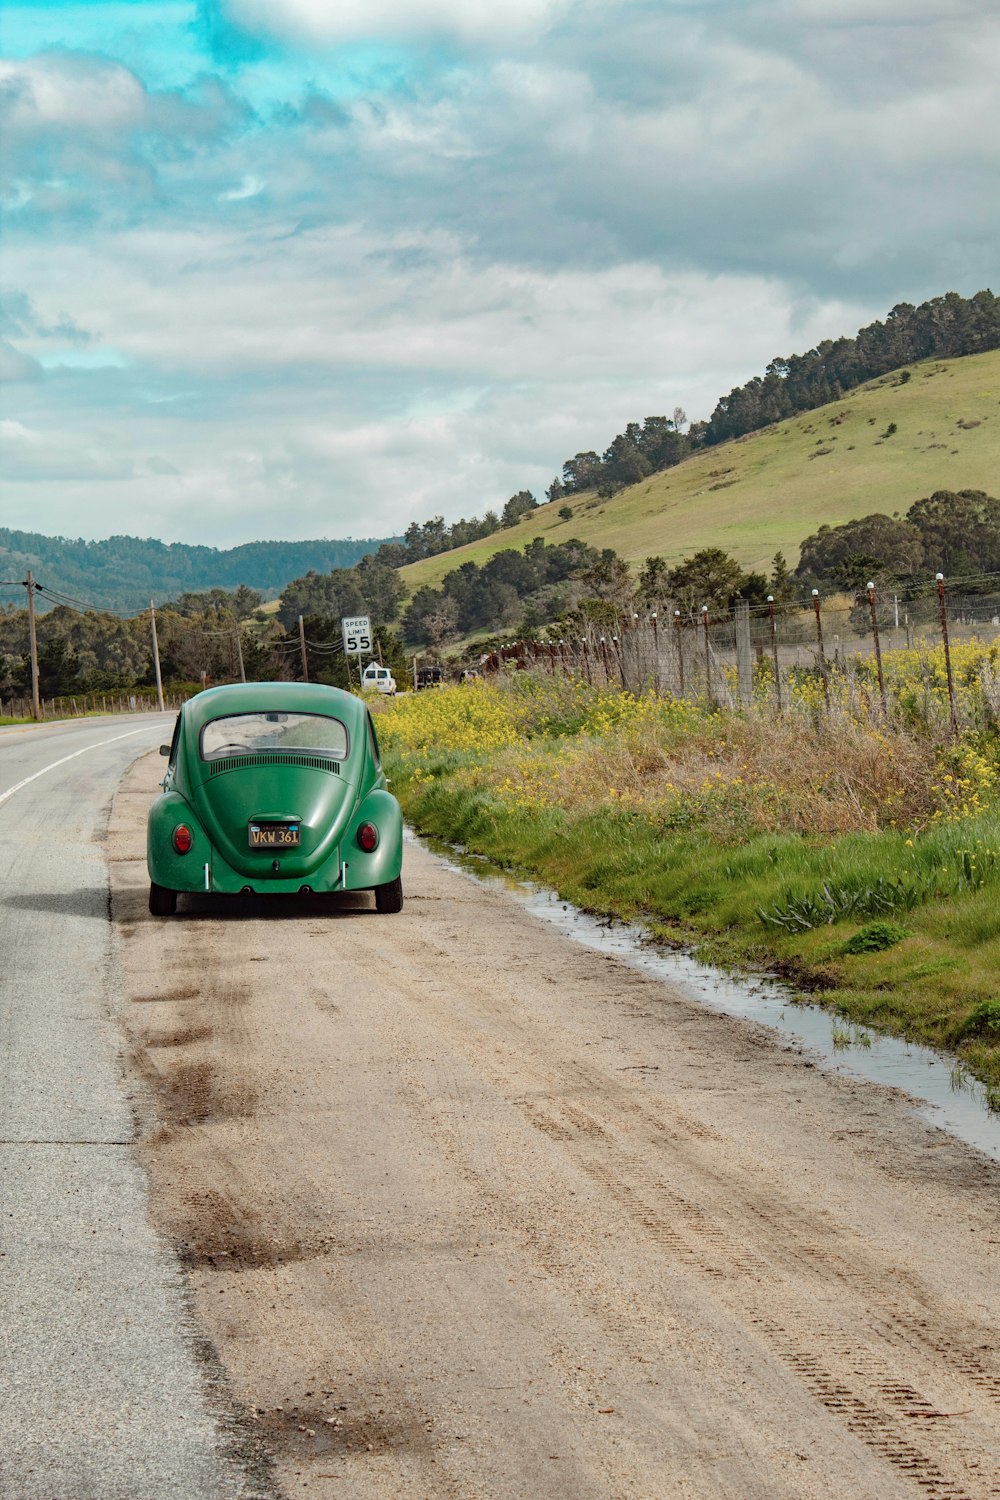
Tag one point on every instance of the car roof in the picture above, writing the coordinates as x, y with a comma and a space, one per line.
273, 697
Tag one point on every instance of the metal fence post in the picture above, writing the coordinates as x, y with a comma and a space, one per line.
708, 652
774, 651
878, 649
822, 652
619, 646
943, 606
744, 653
680, 646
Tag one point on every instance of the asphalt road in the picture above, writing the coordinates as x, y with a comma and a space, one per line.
300, 1200
105, 1393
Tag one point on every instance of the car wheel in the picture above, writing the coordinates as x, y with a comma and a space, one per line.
162, 902
389, 898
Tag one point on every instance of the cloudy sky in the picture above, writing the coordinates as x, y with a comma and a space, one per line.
292, 268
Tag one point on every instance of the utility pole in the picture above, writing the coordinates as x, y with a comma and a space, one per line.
302, 644
239, 653
30, 585
156, 656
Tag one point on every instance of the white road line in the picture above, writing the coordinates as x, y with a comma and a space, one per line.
45, 769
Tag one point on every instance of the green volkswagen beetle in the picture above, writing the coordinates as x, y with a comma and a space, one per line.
274, 787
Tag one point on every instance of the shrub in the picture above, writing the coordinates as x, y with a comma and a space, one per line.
876, 937
984, 1022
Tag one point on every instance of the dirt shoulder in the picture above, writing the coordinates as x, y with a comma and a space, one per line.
470, 1211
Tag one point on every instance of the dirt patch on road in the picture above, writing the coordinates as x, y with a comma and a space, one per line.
469, 1211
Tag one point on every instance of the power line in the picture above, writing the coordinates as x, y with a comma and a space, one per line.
84, 606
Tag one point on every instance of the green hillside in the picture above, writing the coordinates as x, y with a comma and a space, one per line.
125, 572
769, 490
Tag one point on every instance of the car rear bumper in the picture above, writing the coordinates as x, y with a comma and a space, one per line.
347, 868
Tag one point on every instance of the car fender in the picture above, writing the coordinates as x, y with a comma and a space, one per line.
364, 871
176, 872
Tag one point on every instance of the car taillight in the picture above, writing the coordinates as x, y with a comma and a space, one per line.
183, 838
368, 837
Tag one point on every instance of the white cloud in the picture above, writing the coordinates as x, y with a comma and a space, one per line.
467, 20
61, 89
16, 365
347, 383
869, 13
418, 287
225, 304
248, 188
73, 122
32, 454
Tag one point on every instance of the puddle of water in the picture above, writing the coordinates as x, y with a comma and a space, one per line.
855, 1051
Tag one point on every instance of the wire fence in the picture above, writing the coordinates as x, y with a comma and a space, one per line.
828, 656
82, 705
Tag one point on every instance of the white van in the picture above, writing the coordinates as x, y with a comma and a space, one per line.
376, 679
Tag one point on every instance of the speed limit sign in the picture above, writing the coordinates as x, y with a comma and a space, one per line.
357, 632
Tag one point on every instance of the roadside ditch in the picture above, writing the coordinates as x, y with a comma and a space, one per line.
942, 1093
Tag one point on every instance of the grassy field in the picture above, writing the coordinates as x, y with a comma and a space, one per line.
860, 858
771, 489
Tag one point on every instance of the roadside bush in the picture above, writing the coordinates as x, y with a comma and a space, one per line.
983, 1023
876, 938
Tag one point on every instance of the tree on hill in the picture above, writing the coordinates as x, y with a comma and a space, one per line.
331, 595
960, 532
943, 328
372, 588
642, 449
241, 601
714, 578
839, 554
957, 534
582, 472
782, 587
651, 585
517, 506
607, 579
494, 595
381, 589
624, 462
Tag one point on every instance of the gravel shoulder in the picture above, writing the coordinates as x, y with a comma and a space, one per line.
469, 1211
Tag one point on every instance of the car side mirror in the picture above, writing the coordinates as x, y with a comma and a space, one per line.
164, 749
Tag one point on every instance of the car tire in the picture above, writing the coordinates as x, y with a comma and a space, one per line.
389, 898
162, 902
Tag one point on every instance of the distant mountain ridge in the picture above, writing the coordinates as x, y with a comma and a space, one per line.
125, 572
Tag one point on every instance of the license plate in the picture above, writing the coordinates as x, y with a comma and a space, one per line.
274, 835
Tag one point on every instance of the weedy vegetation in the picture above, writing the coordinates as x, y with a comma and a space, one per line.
857, 853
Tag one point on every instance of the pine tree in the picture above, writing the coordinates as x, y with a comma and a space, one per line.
782, 586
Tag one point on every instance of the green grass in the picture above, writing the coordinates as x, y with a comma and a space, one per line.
932, 980
771, 489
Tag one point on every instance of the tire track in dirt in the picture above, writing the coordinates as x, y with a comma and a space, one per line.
689, 1233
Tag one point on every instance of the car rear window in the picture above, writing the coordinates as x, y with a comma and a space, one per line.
242, 734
